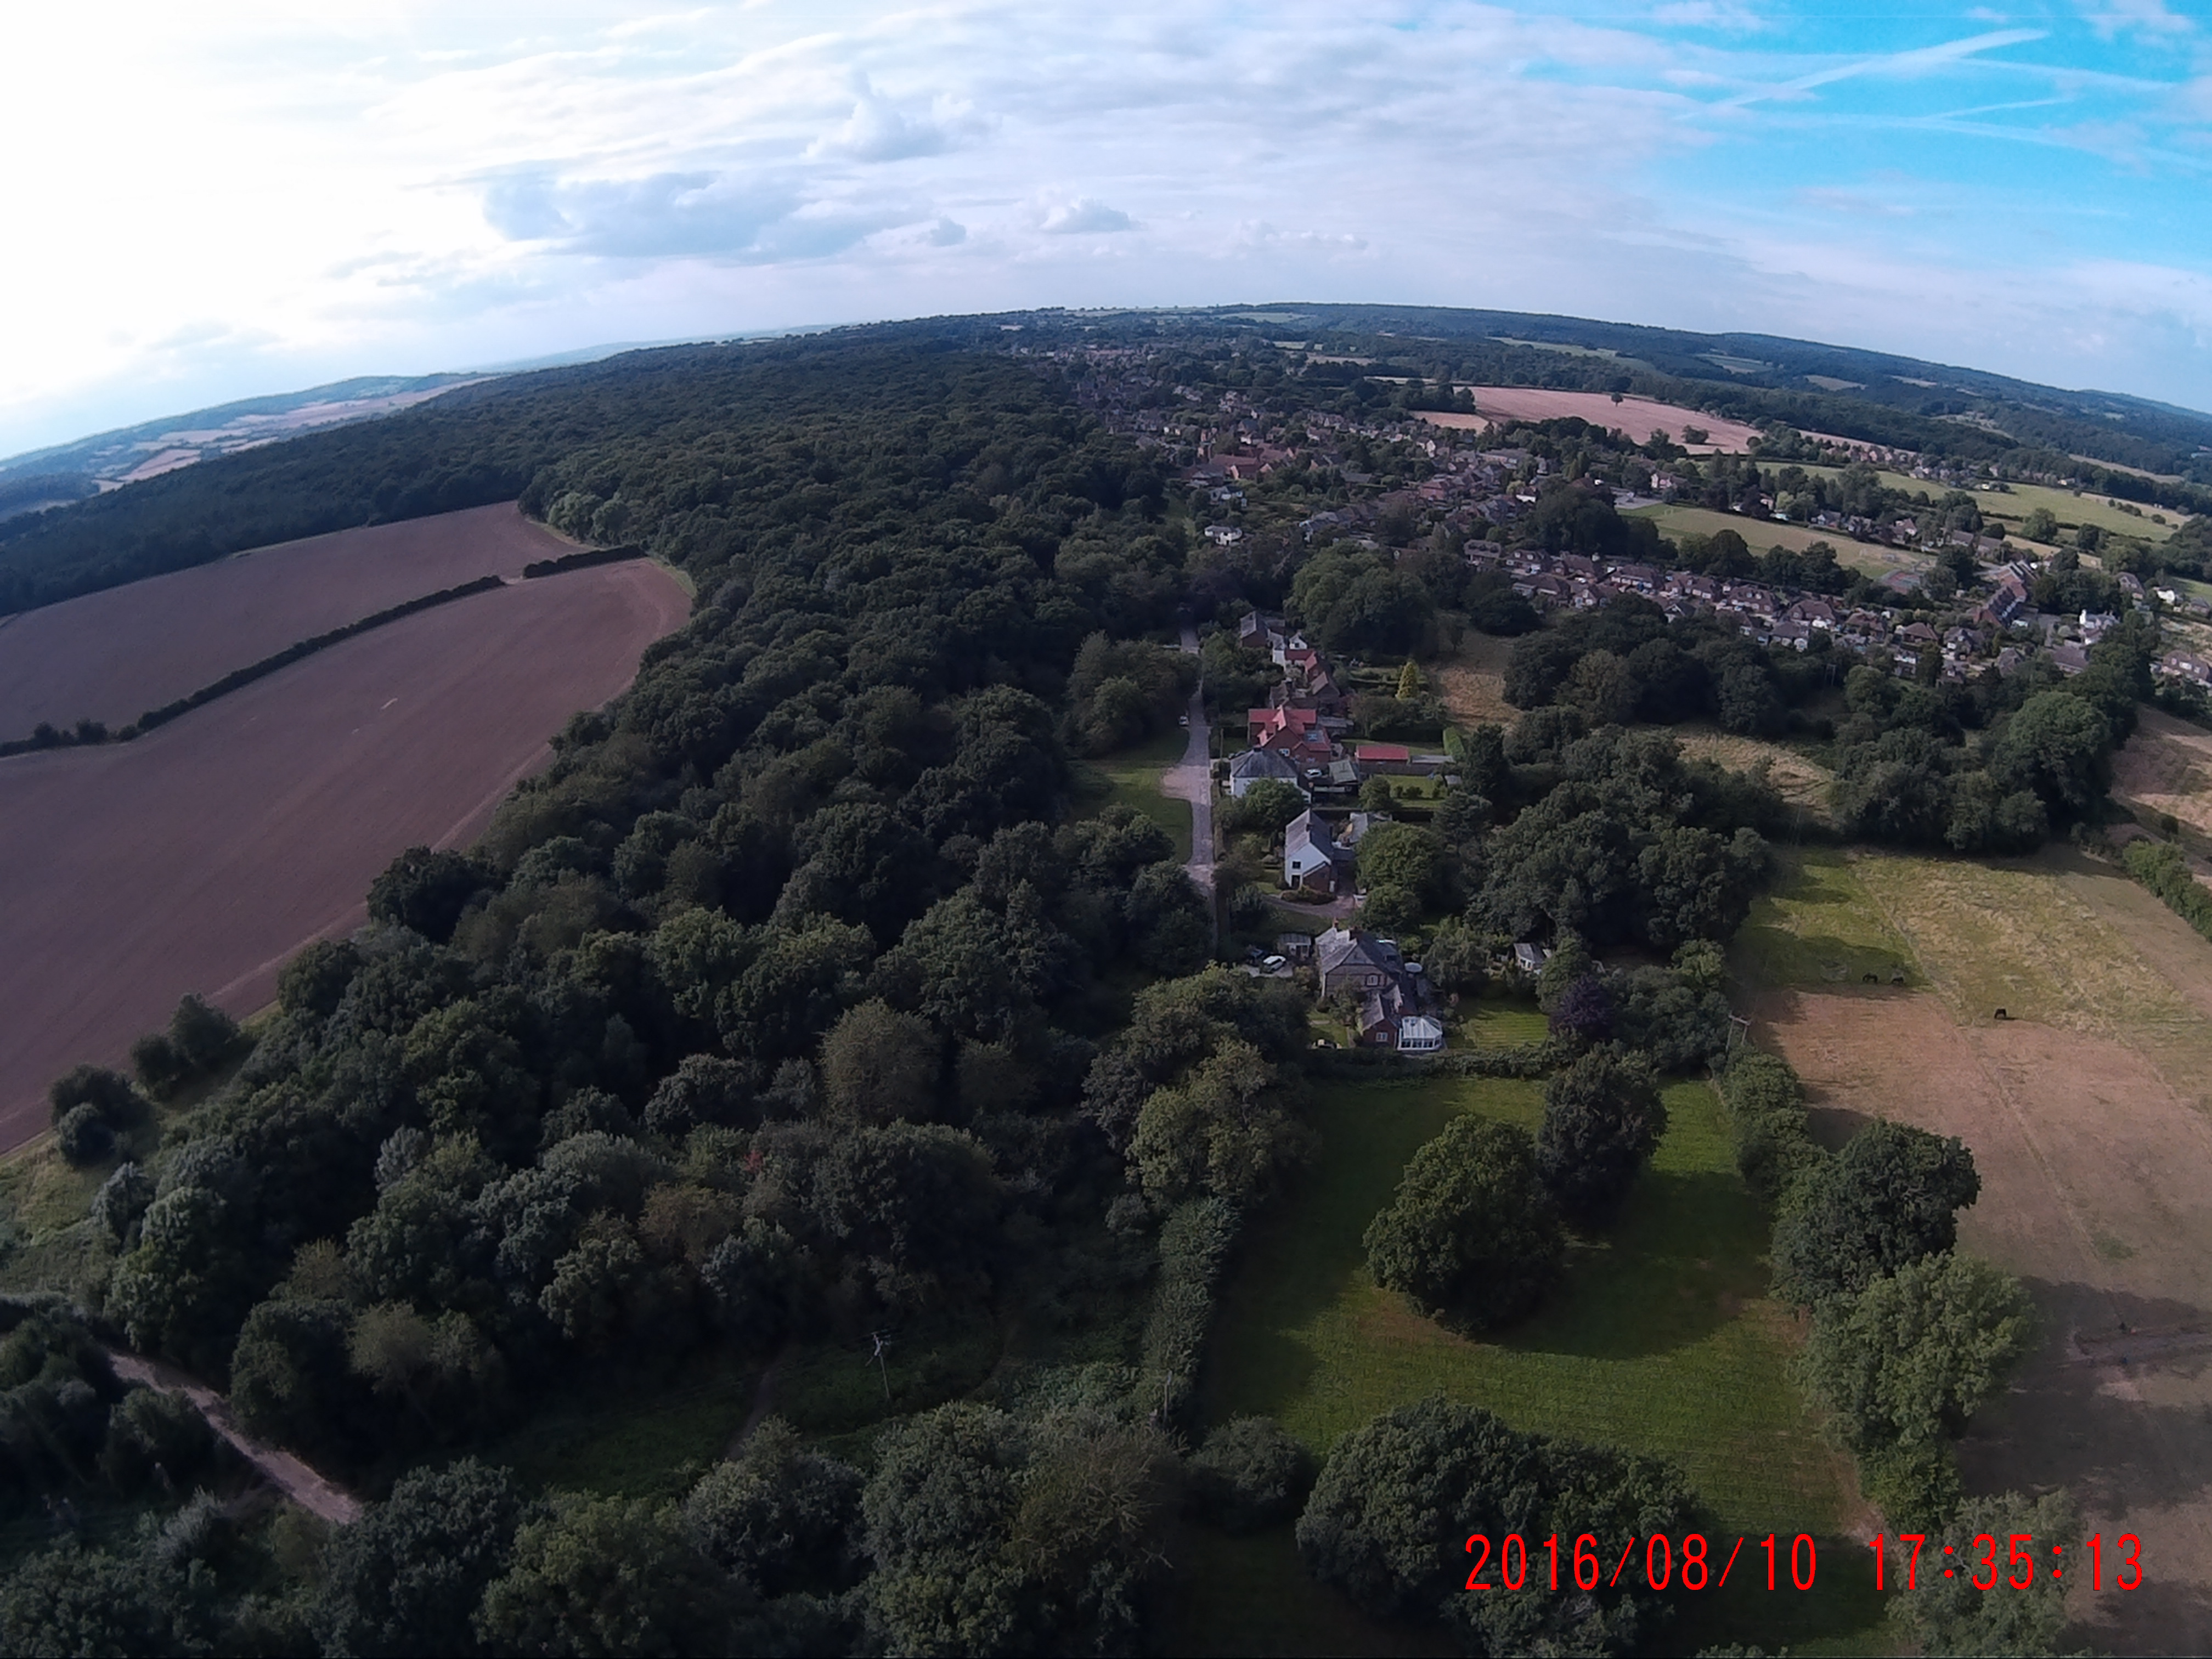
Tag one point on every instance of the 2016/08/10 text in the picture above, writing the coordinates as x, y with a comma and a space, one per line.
1688, 1562
1580, 1563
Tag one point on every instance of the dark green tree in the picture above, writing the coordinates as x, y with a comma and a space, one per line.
1603, 1119
1890, 1197
1471, 1237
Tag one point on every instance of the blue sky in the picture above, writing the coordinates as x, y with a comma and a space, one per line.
216, 201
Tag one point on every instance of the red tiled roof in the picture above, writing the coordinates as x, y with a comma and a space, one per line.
1382, 751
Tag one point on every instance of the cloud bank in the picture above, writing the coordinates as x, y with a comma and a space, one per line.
242, 200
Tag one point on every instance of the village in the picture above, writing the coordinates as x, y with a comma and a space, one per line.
1222, 440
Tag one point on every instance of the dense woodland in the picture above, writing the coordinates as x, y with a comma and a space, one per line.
805, 999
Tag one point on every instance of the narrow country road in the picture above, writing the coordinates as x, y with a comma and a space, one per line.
1191, 779
310, 1491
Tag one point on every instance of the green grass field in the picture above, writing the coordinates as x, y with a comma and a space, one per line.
1499, 1023
1660, 1340
1817, 925
1131, 777
1760, 534
2014, 503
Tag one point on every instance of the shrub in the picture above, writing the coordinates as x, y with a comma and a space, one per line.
1398, 1495
109, 1094
1250, 1475
1471, 1237
1194, 1245
1766, 1105
83, 1136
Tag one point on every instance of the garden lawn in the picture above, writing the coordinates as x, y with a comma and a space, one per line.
1761, 534
1131, 777
1659, 1340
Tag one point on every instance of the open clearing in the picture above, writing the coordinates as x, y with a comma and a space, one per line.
1803, 782
1131, 777
113, 656
2089, 1112
1471, 683
2166, 767
1636, 418
203, 855
1761, 534
1660, 1341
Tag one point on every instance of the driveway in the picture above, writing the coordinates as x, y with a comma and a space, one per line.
1191, 779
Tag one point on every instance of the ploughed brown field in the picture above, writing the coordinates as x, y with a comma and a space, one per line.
1639, 417
112, 656
203, 855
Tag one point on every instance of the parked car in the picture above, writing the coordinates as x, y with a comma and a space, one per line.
1275, 964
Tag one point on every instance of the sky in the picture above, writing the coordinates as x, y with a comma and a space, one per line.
224, 199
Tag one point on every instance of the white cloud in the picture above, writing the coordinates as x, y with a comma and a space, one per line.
1082, 215
246, 196
2112, 17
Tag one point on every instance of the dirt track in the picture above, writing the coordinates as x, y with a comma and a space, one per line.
203, 855
2097, 1190
112, 656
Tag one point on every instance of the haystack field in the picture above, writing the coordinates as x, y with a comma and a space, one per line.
1639, 417
203, 855
113, 656
2088, 1110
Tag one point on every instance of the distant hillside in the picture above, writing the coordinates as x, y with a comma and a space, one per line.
485, 439
131, 454
1806, 383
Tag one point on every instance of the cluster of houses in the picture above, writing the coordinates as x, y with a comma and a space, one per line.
1302, 737
1386, 1001
1776, 615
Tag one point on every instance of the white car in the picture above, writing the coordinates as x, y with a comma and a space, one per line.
1276, 964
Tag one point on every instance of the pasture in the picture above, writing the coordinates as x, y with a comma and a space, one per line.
111, 656
2016, 501
2086, 1111
2165, 768
202, 856
1761, 534
1659, 1339
1802, 781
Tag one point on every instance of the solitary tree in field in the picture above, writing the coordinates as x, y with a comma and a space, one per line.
1603, 1121
1471, 1237
1409, 682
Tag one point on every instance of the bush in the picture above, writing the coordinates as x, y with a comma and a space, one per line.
2164, 869
1471, 1239
1399, 1496
1194, 1245
1250, 1475
84, 1138
1766, 1105
111, 1096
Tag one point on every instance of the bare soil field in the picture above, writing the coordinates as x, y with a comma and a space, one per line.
2166, 767
113, 656
202, 856
2088, 1114
1639, 417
